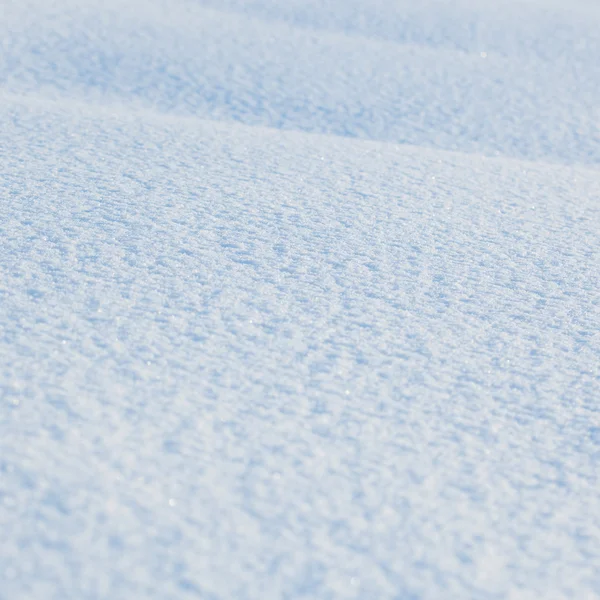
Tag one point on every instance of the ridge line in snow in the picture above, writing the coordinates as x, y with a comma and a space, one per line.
132, 112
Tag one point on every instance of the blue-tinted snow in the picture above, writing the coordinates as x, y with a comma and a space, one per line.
299, 300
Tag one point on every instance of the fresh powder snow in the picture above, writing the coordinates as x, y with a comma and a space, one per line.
299, 299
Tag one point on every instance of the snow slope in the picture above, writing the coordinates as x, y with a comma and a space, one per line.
299, 300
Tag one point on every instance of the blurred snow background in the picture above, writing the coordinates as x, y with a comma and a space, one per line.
299, 299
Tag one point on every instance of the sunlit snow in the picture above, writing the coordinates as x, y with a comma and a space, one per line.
299, 299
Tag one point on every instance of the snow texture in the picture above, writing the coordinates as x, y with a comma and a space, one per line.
299, 299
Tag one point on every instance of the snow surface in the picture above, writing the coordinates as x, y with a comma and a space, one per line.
299, 299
